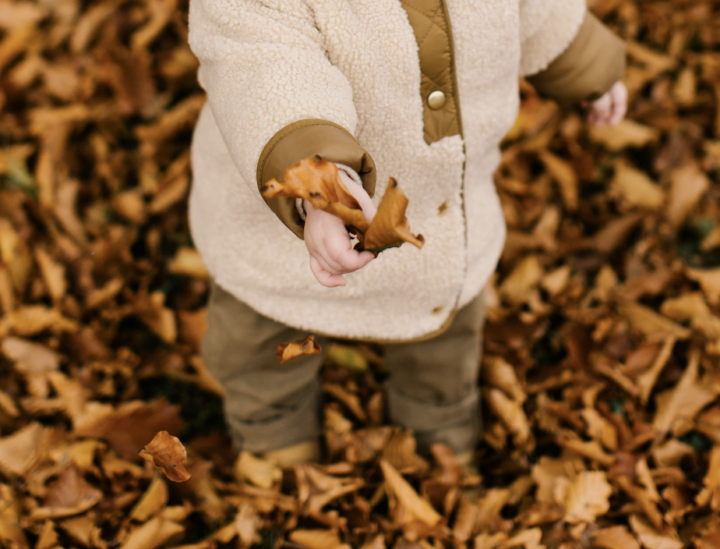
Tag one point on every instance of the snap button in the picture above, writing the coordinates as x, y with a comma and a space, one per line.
436, 100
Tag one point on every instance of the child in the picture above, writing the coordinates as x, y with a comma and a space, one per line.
420, 90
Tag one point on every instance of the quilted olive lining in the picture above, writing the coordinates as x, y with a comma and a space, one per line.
428, 19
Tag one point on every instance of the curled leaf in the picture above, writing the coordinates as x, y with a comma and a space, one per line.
167, 452
318, 182
389, 227
301, 347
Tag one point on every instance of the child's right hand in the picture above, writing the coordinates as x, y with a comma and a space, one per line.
328, 242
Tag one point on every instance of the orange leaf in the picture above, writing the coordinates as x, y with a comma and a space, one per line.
301, 347
390, 227
317, 181
167, 452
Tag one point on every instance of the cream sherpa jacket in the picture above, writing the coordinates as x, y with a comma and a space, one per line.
354, 73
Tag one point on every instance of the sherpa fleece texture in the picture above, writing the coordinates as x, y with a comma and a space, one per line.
268, 63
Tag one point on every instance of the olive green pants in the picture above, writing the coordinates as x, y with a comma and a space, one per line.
432, 389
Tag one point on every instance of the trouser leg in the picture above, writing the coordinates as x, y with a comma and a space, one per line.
268, 406
433, 384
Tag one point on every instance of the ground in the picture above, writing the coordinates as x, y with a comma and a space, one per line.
601, 373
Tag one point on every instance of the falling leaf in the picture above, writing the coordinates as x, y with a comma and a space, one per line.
296, 349
167, 453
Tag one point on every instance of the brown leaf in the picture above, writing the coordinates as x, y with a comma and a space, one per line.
128, 427
187, 262
260, 472
317, 181
510, 413
11, 531
650, 537
24, 449
637, 188
29, 357
152, 534
318, 539
405, 503
615, 537
709, 280
316, 489
651, 324
626, 134
390, 227
296, 349
499, 373
564, 173
152, 501
588, 497
684, 401
69, 495
167, 453
710, 495
524, 277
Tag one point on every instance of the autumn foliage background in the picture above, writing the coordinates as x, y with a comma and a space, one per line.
601, 374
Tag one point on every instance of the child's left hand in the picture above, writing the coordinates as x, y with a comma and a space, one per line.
610, 108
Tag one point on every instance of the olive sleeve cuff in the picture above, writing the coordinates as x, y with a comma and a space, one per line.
318, 139
587, 69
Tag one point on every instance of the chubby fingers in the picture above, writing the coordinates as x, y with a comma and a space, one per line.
325, 277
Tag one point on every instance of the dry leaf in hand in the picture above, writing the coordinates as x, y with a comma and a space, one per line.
167, 452
389, 227
318, 182
301, 347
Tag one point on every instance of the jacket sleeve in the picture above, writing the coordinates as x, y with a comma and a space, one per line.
273, 92
567, 54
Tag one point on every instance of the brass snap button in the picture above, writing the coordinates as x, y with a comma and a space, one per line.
436, 100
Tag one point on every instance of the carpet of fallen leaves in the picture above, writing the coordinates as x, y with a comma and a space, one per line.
601, 374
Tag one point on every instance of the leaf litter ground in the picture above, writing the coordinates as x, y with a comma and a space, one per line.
601, 373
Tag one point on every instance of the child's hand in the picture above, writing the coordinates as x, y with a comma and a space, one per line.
610, 108
328, 242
